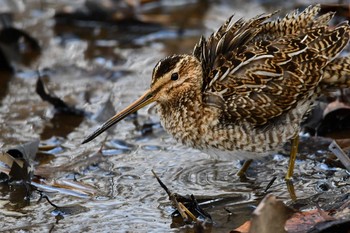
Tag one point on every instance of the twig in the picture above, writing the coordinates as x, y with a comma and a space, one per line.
184, 209
162, 184
270, 184
42, 195
344, 159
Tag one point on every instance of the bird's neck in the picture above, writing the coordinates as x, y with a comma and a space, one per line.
180, 117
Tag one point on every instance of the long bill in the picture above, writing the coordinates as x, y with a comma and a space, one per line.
144, 100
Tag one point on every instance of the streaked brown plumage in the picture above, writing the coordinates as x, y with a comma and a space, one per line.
248, 86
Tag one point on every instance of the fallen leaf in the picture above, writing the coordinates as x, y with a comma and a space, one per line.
270, 216
244, 228
6, 162
303, 221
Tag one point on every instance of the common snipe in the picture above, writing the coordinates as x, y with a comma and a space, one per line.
246, 89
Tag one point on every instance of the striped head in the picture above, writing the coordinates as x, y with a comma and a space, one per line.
173, 79
175, 75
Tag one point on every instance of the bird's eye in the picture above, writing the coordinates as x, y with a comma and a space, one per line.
174, 76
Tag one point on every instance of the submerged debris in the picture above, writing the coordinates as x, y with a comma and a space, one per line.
60, 105
60, 211
15, 45
188, 208
273, 215
17, 162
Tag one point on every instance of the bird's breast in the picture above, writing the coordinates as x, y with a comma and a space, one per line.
201, 127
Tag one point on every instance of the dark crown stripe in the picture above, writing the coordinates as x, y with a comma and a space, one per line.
164, 66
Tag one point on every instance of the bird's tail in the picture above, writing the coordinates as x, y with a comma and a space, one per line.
337, 73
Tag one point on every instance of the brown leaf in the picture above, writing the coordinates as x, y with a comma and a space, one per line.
270, 216
244, 228
303, 221
7, 161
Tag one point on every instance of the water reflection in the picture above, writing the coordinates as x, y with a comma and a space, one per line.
61, 125
5, 78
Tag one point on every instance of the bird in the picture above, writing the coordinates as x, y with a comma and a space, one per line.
246, 89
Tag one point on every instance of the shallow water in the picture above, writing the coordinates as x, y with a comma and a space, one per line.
87, 63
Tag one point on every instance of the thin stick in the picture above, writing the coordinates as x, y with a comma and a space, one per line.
187, 211
344, 159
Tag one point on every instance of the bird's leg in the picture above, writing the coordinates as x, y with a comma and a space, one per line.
293, 155
291, 190
244, 167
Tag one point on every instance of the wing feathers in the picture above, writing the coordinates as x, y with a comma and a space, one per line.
261, 69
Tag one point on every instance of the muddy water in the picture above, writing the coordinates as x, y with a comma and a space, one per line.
87, 63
